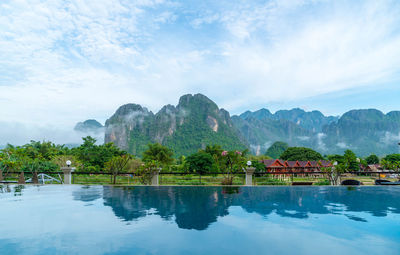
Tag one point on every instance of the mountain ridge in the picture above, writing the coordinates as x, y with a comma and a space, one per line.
193, 123
197, 121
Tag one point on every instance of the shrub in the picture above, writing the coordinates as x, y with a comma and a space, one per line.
322, 182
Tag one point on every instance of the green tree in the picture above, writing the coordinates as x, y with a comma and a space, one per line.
350, 161
232, 162
392, 158
259, 166
31, 165
300, 153
158, 153
200, 163
215, 152
43, 150
92, 155
117, 165
258, 157
146, 172
336, 158
333, 173
391, 161
276, 149
372, 159
10, 160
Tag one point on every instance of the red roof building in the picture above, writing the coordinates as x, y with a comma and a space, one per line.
280, 166
292, 164
325, 163
274, 165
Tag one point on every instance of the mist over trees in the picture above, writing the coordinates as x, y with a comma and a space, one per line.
276, 149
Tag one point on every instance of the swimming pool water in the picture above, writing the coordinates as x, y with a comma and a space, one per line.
73, 219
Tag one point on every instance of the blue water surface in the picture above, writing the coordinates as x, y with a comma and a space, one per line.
73, 219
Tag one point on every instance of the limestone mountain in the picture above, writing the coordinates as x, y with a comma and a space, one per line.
194, 123
313, 120
89, 126
295, 127
363, 131
197, 121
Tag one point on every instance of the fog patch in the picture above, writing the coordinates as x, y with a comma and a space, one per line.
390, 138
136, 115
320, 142
304, 138
98, 134
342, 145
17, 133
259, 149
170, 111
184, 112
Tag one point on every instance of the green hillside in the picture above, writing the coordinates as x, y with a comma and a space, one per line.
194, 123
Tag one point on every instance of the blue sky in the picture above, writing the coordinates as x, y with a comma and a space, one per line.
66, 61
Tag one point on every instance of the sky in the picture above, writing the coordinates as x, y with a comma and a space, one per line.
70, 60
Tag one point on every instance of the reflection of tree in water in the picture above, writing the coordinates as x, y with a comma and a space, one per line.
5, 189
198, 207
18, 190
298, 202
231, 190
377, 201
8, 189
193, 207
87, 193
285, 201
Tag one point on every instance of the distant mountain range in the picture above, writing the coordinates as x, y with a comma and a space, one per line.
296, 127
363, 131
197, 121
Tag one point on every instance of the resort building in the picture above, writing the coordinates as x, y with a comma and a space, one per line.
372, 168
302, 167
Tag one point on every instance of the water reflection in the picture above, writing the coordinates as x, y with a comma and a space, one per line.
16, 189
88, 193
5, 189
192, 207
198, 207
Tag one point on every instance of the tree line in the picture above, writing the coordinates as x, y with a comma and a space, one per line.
90, 157
349, 160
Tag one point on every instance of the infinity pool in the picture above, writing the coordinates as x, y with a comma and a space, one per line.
199, 220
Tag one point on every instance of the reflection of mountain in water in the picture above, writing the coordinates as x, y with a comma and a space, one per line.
377, 201
298, 202
193, 207
294, 202
198, 207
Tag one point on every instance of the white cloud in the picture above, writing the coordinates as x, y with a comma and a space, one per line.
66, 61
390, 138
289, 58
18, 133
304, 138
342, 145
